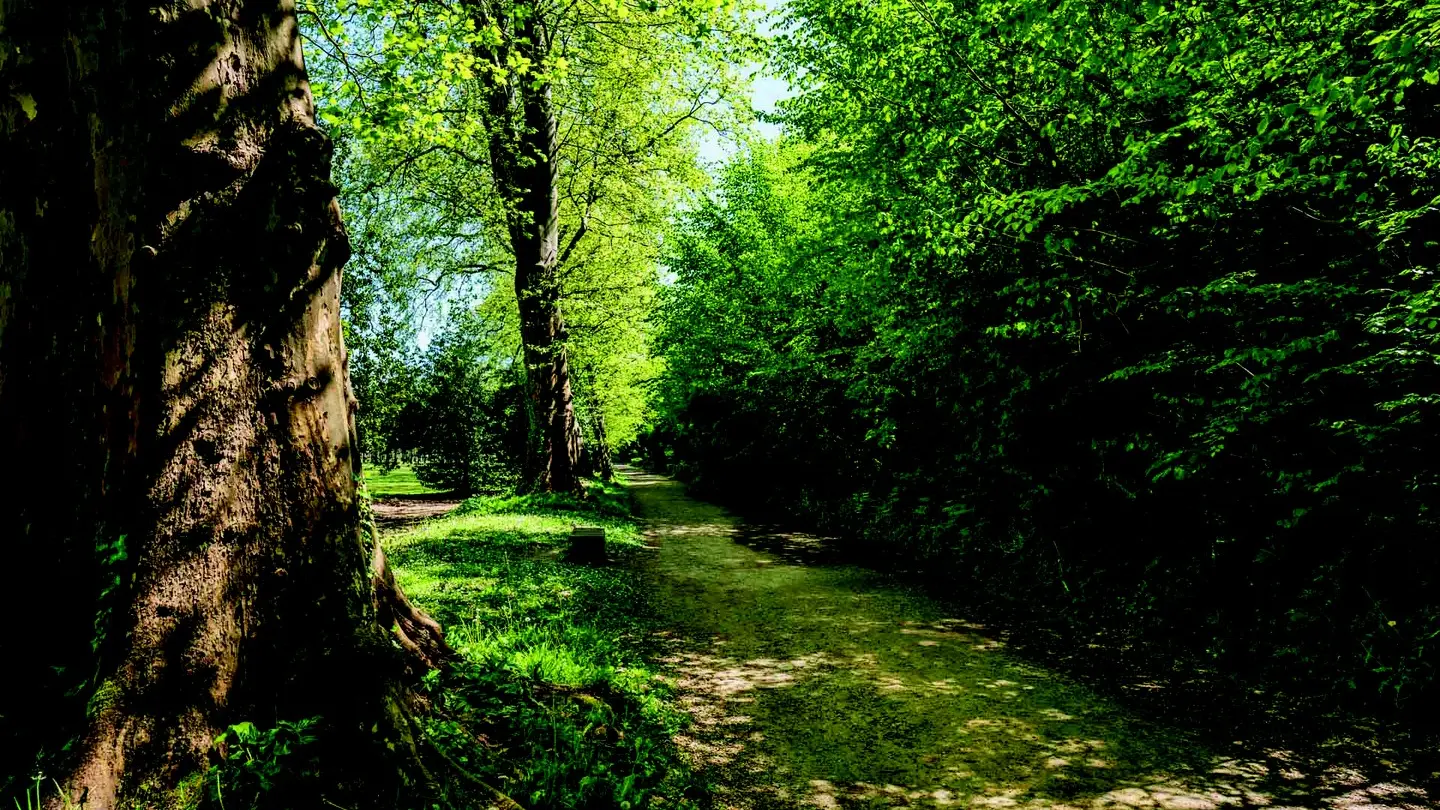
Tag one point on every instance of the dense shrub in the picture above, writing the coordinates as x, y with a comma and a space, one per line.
1122, 308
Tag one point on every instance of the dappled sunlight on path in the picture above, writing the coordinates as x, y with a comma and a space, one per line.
814, 685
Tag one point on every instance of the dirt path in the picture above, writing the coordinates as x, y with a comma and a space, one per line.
825, 686
392, 514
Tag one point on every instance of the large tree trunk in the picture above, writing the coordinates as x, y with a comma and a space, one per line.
523, 159
536, 240
175, 419
553, 460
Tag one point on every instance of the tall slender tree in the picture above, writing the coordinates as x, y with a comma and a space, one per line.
548, 125
524, 158
175, 415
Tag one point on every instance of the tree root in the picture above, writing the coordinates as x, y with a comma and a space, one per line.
505, 801
418, 634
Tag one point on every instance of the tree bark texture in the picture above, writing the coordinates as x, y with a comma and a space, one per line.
175, 416
536, 240
524, 145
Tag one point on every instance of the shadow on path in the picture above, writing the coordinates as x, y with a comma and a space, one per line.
815, 685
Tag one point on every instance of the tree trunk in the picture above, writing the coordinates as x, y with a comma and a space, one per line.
175, 416
596, 454
536, 240
604, 464
523, 161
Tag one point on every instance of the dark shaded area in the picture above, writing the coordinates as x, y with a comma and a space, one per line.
1149, 681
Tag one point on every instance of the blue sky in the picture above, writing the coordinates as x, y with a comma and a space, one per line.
765, 91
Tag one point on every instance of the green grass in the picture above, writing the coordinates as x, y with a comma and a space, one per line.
554, 705
400, 481
36, 796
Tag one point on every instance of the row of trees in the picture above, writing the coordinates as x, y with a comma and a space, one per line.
457, 410
529, 152
1128, 310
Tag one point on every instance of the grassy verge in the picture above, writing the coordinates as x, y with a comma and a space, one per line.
554, 706
400, 482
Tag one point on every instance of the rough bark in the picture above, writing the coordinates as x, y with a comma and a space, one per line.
523, 149
536, 241
171, 368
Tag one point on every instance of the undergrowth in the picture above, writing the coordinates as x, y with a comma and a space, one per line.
553, 706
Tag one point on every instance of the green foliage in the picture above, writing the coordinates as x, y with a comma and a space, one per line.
465, 425
605, 502
111, 556
429, 103
260, 768
1128, 309
34, 797
553, 706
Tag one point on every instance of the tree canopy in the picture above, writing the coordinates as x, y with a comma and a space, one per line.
1124, 308
538, 141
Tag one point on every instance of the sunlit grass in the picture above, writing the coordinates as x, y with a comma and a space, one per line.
397, 482
554, 683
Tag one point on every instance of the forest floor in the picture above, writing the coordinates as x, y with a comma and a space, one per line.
832, 686
552, 702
